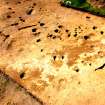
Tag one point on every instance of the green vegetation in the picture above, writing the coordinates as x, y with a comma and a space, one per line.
84, 5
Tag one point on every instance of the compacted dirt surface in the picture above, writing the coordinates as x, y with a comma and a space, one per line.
56, 53
12, 94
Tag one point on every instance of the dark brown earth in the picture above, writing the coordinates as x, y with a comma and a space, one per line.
98, 3
12, 94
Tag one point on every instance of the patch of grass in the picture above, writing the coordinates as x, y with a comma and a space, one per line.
84, 5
